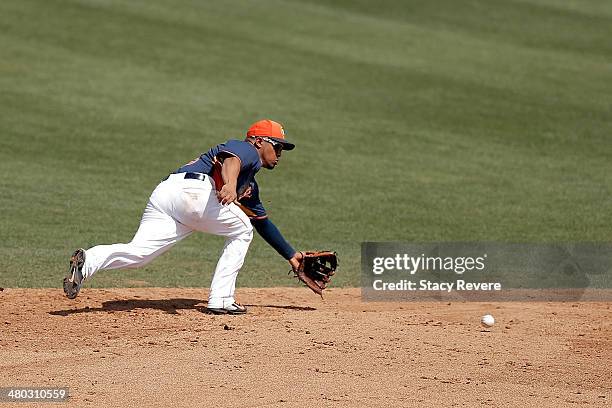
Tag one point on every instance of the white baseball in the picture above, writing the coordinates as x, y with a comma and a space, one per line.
487, 320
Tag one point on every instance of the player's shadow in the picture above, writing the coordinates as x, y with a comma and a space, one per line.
170, 306
287, 307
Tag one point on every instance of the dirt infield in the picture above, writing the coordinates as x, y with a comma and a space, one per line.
155, 347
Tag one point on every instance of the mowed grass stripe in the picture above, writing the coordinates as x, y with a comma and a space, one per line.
439, 121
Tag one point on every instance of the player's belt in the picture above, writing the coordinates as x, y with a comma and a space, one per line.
202, 177
196, 176
189, 175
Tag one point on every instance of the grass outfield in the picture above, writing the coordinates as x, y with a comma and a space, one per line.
415, 121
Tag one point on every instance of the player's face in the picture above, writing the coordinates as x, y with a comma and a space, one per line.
271, 153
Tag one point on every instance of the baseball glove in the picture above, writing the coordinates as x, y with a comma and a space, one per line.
316, 269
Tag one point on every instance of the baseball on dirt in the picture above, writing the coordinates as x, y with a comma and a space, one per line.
487, 320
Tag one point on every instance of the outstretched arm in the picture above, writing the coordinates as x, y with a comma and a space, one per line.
273, 236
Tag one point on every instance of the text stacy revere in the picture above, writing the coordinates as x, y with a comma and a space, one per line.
427, 285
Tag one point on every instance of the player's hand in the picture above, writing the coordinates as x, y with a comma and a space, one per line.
295, 261
227, 194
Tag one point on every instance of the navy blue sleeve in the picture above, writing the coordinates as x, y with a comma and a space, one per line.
244, 151
249, 159
272, 236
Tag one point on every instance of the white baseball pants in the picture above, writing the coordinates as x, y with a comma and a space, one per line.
177, 207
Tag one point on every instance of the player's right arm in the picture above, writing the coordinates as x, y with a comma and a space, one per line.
229, 172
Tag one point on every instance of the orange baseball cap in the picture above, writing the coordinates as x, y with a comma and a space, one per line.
271, 129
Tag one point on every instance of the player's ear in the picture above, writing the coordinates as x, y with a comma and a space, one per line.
258, 142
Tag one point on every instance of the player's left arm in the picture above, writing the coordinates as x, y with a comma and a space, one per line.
266, 228
270, 233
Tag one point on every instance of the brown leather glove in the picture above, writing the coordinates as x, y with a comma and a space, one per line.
316, 269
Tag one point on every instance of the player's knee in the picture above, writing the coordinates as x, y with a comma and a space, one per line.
244, 233
247, 233
143, 254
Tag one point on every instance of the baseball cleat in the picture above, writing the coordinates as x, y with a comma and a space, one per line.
233, 309
74, 280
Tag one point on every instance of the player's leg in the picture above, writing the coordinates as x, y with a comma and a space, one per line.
232, 223
199, 208
157, 233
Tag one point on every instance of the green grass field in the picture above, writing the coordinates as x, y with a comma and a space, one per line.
415, 121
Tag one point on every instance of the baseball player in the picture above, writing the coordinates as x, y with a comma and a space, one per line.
215, 193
